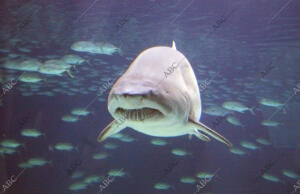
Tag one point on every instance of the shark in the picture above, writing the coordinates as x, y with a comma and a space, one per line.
158, 95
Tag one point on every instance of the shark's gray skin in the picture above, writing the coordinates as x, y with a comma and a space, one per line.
158, 95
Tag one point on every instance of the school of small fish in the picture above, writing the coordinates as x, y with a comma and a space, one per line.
53, 75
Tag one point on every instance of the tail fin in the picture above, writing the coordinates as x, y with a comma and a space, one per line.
252, 110
120, 51
70, 74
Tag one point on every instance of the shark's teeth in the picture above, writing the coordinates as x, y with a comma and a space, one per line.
139, 114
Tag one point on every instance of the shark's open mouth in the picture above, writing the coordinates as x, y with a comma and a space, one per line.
139, 114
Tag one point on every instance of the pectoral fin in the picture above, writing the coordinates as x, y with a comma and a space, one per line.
210, 132
111, 129
201, 136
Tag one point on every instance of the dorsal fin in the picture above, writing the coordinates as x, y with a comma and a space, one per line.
174, 45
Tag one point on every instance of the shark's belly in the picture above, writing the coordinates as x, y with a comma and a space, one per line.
161, 131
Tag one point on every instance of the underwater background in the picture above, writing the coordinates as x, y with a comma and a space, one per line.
59, 60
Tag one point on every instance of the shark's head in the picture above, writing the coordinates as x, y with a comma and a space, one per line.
136, 101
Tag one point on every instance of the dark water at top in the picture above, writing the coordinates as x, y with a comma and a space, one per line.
243, 51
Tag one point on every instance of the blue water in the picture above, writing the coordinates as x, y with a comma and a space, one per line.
240, 51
